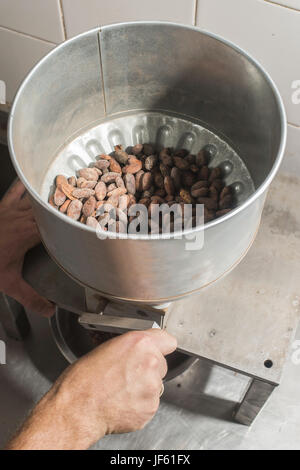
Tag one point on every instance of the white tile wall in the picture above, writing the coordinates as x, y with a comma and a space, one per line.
269, 32
268, 29
40, 18
18, 54
288, 3
81, 15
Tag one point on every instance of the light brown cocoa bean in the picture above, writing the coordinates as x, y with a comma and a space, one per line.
181, 163
100, 190
61, 179
102, 164
92, 222
82, 193
74, 209
110, 187
89, 174
120, 182
123, 202
80, 181
114, 166
134, 165
65, 206
67, 189
132, 200
150, 162
59, 197
109, 177
88, 184
51, 202
113, 200
117, 192
129, 181
72, 181
138, 180
89, 206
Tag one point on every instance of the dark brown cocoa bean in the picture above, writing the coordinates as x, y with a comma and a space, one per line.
218, 184
165, 170
147, 180
200, 192
208, 214
225, 202
169, 186
176, 177
159, 180
216, 173
201, 159
182, 153
209, 203
200, 184
120, 155
137, 149
225, 191
213, 193
203, 173
148, 149
181, 163
188, 178
222, 212
165, 158
138, 180
160, 192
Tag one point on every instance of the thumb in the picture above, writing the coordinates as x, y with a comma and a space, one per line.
31, 300
165, 342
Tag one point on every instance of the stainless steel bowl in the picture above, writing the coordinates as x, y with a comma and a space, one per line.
201, 89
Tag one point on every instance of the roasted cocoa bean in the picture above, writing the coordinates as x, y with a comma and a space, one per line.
209, 203
146, 181
80, 193
59, 197
181, 163
100, 190
137, 149
102, 164
150, 162
134, 165
89, 206
74, 209
65, 206
169, 186
109, 177
120, 155
129, 181
114, 166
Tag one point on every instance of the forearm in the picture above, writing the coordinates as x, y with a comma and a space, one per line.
52, 426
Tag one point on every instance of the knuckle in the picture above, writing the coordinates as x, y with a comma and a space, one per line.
151, 362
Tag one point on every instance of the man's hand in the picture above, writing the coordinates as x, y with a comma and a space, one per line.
18, 233
113, 389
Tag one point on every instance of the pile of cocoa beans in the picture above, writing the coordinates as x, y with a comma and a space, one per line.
144, 176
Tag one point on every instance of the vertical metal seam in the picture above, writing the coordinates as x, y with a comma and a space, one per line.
101, 72
63, 19
195, 12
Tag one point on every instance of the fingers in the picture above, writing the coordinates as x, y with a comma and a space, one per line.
31, 300
164, 342
24, 203
14, 193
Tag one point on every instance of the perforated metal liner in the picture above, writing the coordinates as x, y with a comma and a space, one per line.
161, 129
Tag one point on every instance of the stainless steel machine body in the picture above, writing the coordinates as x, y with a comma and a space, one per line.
181, 73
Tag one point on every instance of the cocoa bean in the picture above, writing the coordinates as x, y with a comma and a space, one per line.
225, 202
137, 149
176, 177
89, 174
92, 222
88, 184
150, 162
209, 203
114, 166
225, 191
74, 209
129, 181
89, 206
134, 166
67, 189
61, 179
138, 180
120, 155
201, 159
169, 186
159, 180
203, 173
120, 182
82, 193
100, 190
72, 181
222, 212
216, 173
148, 149
102, 164
65, 206
200, 192
117, 192
165, 158
165, 170
181, 163
59, 197
146, 181
188, 178
109, 177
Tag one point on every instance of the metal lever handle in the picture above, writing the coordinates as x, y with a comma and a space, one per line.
113, 324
